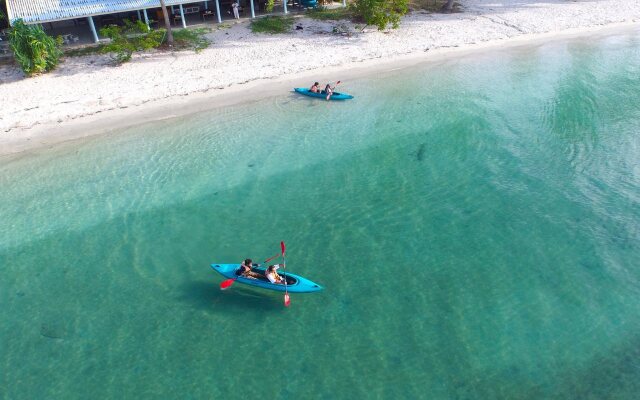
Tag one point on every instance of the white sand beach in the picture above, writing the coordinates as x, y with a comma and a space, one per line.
87, 94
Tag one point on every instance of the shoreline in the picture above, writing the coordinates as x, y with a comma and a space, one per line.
98, 121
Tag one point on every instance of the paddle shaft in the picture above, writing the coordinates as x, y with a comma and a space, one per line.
287, 299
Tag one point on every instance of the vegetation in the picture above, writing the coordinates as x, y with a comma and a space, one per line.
272, 24
83, 51
34, 50
334, 14
270, 5
135, 36
192, 39
433, 5
379, 13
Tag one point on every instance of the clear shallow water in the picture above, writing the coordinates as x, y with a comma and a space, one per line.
477, 233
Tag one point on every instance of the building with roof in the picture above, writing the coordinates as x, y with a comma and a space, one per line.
57, 13
61, 16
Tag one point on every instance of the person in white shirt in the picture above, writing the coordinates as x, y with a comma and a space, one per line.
272, 275
235, 6
328, 90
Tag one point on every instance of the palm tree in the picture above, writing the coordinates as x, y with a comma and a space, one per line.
167, 24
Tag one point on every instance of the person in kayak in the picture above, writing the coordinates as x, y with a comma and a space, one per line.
315, 88
328, 90
272, 275
245, 270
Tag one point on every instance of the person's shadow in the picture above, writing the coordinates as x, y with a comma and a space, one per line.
207, 295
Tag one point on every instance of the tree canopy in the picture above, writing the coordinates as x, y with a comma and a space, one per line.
380, 12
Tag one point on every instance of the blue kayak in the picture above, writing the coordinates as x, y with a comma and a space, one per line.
323, 95
295, 283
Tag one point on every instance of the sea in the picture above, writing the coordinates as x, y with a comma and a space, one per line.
474, 221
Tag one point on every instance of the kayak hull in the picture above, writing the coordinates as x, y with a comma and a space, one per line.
295, 283
323, 95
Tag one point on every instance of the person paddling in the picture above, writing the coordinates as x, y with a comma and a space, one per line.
245, 270
272, 275
328, 90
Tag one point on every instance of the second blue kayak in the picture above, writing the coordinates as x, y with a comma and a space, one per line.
323, 95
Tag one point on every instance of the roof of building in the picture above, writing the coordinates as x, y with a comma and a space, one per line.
38, 11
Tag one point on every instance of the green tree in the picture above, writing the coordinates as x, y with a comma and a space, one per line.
34, 50
380, 12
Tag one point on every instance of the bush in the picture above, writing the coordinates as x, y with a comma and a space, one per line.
270, 5
191, 39
134, 36
380, 12
34, 50
272, 24
334, 14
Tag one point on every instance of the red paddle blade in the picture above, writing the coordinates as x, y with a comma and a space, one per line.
282, 247
226, 284
287, 300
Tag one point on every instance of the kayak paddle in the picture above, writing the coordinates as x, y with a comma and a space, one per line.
287, 299
229, 282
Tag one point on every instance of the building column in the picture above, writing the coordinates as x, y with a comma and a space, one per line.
93, 29
284, 3
206, 5
344, 3
146, 18
139, 16
184, 23
218, 11
253, 13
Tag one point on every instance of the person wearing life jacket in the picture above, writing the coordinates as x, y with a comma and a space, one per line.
272, 275
245, 270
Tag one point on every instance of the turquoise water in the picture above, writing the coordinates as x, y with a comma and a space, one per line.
475, 223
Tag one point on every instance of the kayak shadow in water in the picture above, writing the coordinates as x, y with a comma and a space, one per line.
207, 295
